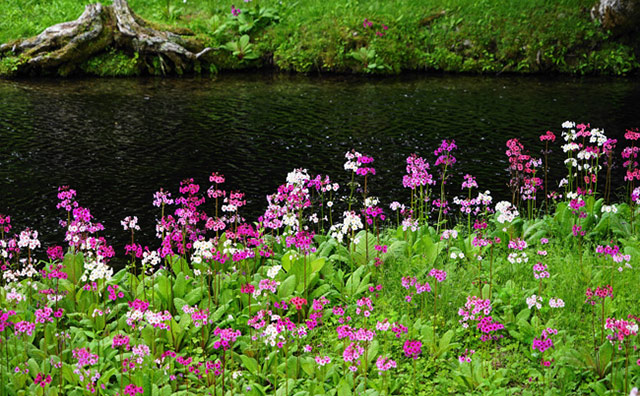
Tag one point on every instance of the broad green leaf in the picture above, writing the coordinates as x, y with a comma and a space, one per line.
317, 264
244, 41
194, 296
250, 364
287, 287
344, 389
180, 285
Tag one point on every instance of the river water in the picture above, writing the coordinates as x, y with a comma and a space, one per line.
116, 141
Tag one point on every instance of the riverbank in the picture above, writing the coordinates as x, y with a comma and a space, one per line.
361, 37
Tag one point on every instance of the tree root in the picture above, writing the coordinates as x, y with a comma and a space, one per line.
61, 48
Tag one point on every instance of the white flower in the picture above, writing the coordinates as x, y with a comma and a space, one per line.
298, 177
568, 124
556, 303
371, 201
273, 271
506, 212
534, 301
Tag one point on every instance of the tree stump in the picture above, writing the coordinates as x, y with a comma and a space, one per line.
61, 48
619, 16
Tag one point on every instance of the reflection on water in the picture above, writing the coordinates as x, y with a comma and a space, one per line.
118, 141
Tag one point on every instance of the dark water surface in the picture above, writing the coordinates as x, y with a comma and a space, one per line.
118, 141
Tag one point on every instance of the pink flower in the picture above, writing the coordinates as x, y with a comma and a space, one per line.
384, 364
353, 352
412, 348
133, 390
549, 136
120, 340
321, 361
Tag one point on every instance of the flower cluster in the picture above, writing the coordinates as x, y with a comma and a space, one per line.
600, 292
534, 301
506, 212
412, 348
439, 275
417, 173
621, 329
544, 343
409, 282
540, 271
227, 337
384, 364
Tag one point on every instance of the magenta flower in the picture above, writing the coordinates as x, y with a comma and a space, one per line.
621, 329
444, 153
549, 136
601, 292
412, 348
227, 337
133, 390
23, 327
42, 380
298, 302
440, 275
469, 182
352, 353
55, 253
466, 356
120, 341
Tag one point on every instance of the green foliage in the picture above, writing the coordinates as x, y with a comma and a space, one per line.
9, 65
241, 48
113, 63
487, 36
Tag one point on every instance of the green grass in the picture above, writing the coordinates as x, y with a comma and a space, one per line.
308, 35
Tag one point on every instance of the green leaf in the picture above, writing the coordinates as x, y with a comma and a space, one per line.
445, 340
33, 366
365, 249
163, 288
308, 366
249, 363
73, 266
219, 312
146, 385
244, 40
523, 315
180, 285
344, 389
194, 296
372, 352
287, 287
288, 259
67, 373
317, 264
178, 264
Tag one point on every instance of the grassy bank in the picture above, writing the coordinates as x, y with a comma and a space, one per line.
486, 36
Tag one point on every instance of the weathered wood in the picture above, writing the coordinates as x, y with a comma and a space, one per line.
63, 47
620, 16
